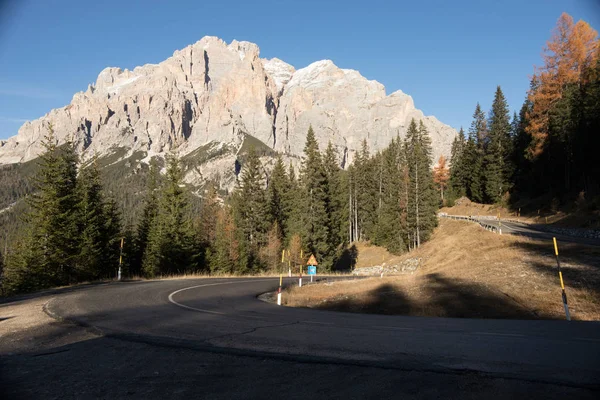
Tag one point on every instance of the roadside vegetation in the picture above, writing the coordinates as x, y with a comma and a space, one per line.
542, 160
76, 215
468, 272
73, 229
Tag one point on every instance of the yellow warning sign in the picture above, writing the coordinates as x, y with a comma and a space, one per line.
312, 260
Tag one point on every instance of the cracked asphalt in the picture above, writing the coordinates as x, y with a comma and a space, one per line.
151, 339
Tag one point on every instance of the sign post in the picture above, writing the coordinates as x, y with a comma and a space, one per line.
120, 260
312, 266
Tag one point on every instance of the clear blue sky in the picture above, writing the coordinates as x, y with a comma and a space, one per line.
447, 54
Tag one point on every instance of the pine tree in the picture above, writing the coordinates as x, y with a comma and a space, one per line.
474, 153
458, 167
170, 247
422, 203
366, 192
391, 226
91, 264
336, 198
315, 232
2, 285
148, 215
293, 201
251, 209
112, 234
497, 160
276, 192
53, 237
208, 216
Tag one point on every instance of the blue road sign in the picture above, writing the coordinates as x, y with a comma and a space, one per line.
312, 270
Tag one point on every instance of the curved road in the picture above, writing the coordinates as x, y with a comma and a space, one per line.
225, 316
531, 231
536, 232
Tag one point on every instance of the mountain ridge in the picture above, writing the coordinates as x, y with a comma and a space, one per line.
214, 92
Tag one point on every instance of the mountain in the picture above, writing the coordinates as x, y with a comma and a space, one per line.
211, 100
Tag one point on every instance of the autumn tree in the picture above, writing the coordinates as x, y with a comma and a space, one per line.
571, 50
224, 256
271, 251
441, 175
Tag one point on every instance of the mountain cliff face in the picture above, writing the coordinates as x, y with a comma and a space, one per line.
208, 99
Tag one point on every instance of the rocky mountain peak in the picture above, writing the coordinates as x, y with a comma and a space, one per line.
214, 95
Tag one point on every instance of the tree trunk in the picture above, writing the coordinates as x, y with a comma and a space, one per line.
417, 204
350, 237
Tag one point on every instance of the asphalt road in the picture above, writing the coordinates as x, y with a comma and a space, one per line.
172, 338
535, 232
224, 315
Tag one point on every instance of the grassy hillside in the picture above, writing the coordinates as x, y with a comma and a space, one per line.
468, 272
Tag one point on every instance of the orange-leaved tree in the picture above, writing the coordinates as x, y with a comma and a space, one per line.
571, 51
441, 174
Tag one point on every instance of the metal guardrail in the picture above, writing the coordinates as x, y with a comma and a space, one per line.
477, 220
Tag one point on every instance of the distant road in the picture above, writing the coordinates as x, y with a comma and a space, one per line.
535, 232
225, 316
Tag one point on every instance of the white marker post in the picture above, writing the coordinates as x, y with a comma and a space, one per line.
279, 291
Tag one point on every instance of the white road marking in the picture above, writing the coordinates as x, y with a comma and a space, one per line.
205, 285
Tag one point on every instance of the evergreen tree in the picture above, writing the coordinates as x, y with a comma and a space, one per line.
497, 161
208, 216
170, 247
53, 238
315, 232
293, 201
366, 192
2, 288
112, 234
474, 153
99, 224
336, 198
391, 226
276, 192
458, 167
147, 219
251, 209
422, 205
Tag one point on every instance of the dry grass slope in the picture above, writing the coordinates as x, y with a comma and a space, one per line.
469, 272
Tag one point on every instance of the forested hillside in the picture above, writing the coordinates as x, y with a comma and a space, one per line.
544, 156
73, 226
70, 218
